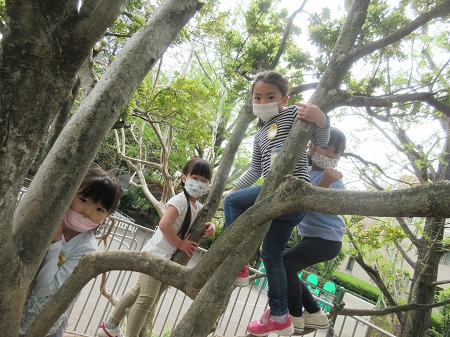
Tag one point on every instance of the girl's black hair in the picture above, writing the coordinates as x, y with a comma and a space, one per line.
337, 139
101, 187
200, 167
275, 78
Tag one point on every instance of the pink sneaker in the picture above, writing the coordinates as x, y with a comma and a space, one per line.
265, 326
242, 278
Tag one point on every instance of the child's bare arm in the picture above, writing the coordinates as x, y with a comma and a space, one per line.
165, 224
330, 175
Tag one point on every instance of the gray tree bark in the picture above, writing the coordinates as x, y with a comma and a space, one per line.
52, 63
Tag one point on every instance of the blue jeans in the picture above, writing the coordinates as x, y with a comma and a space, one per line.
305, 253
274, 244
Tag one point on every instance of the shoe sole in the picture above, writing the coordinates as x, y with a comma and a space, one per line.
297, 330
278, 332
284, 332
241, 282
316, 326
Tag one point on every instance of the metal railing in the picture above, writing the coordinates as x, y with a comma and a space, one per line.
245, 304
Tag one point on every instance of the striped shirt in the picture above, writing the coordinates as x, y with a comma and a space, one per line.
263, 147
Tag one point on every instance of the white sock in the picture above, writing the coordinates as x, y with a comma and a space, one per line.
279, 319
109, 325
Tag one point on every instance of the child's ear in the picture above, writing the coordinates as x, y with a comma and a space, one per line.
183, 178
285, 100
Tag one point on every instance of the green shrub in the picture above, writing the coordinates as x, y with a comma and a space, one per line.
356, 286
206, 242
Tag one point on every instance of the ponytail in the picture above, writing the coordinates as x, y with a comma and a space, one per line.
199, 167
187, 218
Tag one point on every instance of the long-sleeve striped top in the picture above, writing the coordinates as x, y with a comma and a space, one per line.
263, 147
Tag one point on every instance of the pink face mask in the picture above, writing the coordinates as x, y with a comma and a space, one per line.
77, 222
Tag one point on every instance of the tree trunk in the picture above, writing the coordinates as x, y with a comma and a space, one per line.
54, 184
418, 322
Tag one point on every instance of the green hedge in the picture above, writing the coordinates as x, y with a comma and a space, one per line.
356, 286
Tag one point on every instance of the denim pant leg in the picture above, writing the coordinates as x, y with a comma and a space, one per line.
305, 253
238, 202
274, 244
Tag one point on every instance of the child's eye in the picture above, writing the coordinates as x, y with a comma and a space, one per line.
100, 210
83, 200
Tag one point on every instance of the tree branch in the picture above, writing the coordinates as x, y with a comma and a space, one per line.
286, 36
302, 87
355, 100
337, 310
373, 274
439, 11
94, 17
94, 264
436, 283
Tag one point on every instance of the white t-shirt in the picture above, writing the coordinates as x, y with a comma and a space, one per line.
61, 259
158, 244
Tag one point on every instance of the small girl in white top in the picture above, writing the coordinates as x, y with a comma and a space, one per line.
170, 236
97, 197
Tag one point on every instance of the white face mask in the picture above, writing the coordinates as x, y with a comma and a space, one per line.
323, 161
195, 188
77, 222
266, 111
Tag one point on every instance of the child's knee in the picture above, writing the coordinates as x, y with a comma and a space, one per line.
145, 301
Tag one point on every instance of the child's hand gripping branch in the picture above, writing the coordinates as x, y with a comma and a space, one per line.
210, 229
311, 113
189, 247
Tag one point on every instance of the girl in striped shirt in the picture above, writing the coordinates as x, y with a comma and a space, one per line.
270, 97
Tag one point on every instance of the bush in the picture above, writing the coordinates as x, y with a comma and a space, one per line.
356, 286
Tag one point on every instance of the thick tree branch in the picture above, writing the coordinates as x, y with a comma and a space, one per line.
387, 101
302, 88
94, 264
295, 194
438, 105
94, 17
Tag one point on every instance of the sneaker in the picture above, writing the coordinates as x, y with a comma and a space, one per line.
242, 278
103, 331
265, 326
318, 320
298, 323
